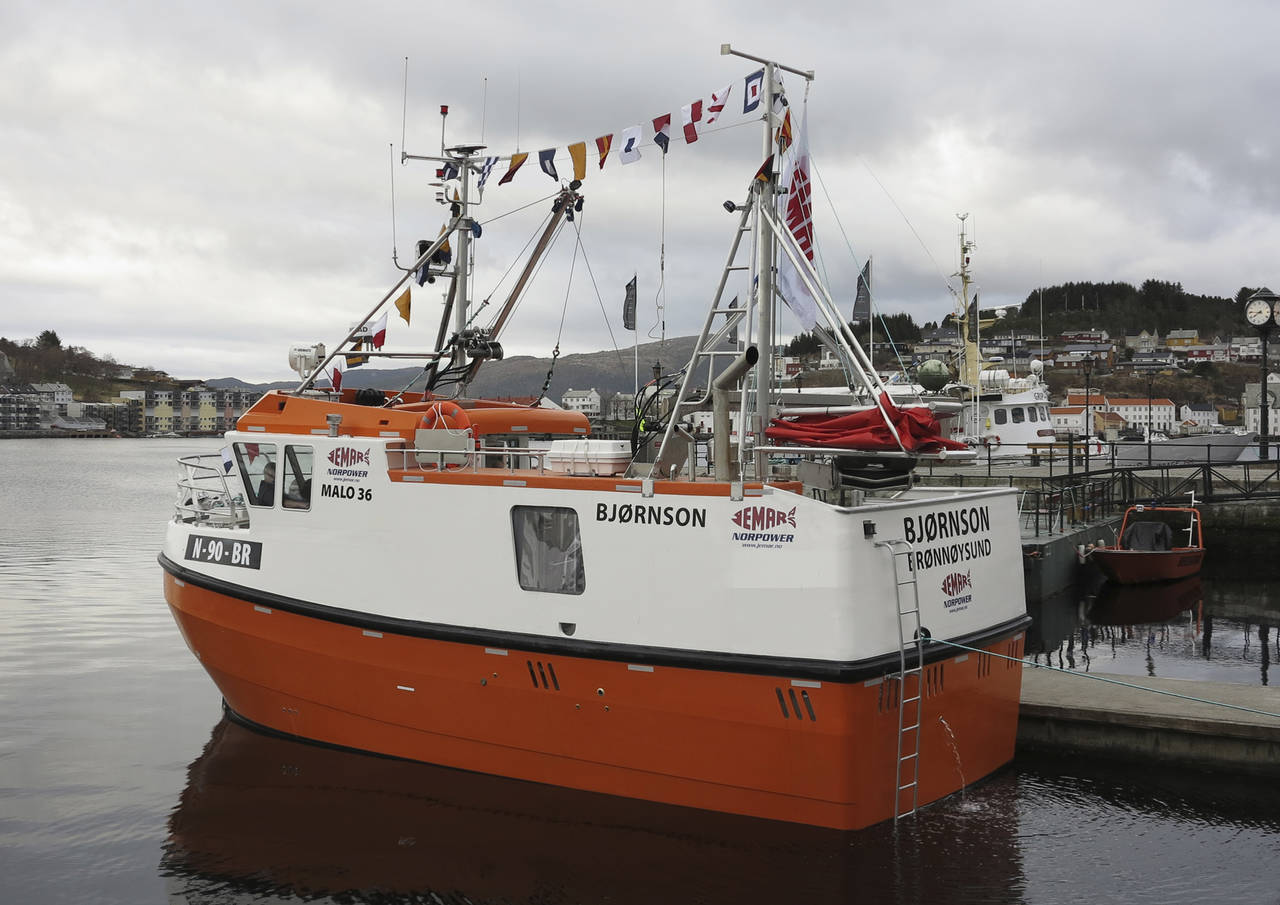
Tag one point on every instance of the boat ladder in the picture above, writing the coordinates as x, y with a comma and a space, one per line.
906, 780
712, 348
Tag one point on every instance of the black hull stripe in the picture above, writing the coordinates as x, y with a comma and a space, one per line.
848, 671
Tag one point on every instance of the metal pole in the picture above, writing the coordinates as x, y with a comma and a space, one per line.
1264, 402
764, 288
1088, 426
1150, 378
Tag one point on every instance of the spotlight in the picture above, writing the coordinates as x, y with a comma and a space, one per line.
575, 185
730, 206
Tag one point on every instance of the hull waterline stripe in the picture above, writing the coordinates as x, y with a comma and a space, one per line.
872, 668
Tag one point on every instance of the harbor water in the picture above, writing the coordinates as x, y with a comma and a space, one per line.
121, 781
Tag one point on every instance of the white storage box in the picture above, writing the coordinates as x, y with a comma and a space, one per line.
589, 457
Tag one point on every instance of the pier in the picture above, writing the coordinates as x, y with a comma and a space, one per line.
1179, 722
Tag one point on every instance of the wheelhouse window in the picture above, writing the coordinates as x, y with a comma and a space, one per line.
548, 549
1018, 415
1002, 416
297, 477
1032, 413
257, 463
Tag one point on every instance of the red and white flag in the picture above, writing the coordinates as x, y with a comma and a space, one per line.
797, 213
715, 106
689, 115
379, 331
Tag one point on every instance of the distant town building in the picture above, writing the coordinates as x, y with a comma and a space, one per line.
1143, 341
1201, 415
19, 407
585, 401
621, 407
1179, 339
1253, 411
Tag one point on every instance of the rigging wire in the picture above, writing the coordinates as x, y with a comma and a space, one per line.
840, 225
517, 210
945, 281
600, 299
564, 310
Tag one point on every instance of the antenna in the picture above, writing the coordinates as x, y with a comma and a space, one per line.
484, 107
404, 108
391, 151
444, 114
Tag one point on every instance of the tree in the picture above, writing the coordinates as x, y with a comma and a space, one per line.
48, 340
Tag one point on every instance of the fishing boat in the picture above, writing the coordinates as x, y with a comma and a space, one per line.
1003, 414
1146, 548
787, 627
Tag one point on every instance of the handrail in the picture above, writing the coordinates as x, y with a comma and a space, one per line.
198, 502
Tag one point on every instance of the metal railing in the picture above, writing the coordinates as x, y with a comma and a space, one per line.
204, 496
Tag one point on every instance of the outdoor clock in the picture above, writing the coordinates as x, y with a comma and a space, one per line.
1258, 312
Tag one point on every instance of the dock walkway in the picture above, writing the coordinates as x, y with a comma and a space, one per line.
1074, 712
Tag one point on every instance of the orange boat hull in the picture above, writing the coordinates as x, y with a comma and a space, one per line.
819, 753
1142, 566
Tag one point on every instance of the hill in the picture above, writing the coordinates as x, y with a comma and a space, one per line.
523, 375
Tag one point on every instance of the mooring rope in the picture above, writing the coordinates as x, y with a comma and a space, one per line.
1085, 675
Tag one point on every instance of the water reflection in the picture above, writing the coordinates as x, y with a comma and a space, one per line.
264, 817
1214, 630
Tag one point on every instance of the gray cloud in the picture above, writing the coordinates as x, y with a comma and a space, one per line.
196, 186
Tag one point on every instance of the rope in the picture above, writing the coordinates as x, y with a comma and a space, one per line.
577, 226
555, 353
1081, 675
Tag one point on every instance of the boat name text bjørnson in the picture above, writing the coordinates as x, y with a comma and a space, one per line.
925, 529
640, 514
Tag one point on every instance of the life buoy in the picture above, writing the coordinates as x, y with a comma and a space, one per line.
992, 440
445, 416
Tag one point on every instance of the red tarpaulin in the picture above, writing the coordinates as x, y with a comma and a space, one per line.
865, 430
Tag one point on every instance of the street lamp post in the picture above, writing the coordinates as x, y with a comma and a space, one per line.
1263, 312
1087, 364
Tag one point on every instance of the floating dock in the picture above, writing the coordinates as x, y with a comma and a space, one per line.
1149, 719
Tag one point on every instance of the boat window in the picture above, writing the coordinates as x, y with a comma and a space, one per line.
1032, 414
1002, 417
297, 477
257, 462
1018, 415
548, 549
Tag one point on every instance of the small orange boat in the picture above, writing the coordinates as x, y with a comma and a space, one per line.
1146, 550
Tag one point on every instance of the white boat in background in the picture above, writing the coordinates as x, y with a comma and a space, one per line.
1218, 448
1003, 414
793, 630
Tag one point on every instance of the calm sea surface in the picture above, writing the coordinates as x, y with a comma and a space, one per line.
120, 781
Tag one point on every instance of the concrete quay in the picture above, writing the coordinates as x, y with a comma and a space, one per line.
1075, 713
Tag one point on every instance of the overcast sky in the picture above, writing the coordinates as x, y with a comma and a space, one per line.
197, 186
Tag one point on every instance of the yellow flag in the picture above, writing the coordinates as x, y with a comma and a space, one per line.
578, 153
402, 305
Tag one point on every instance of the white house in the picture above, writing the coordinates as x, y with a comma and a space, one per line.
1201, 414
1252, 411
1068, 419
1162, 414
585, 401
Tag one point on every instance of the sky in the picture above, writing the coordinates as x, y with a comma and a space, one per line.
196, 187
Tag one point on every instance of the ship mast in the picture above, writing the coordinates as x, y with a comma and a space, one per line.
764, 259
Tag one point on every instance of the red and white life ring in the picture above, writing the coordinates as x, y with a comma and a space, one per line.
992, 440
445, 416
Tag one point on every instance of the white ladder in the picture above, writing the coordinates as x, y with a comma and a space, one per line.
910, 701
